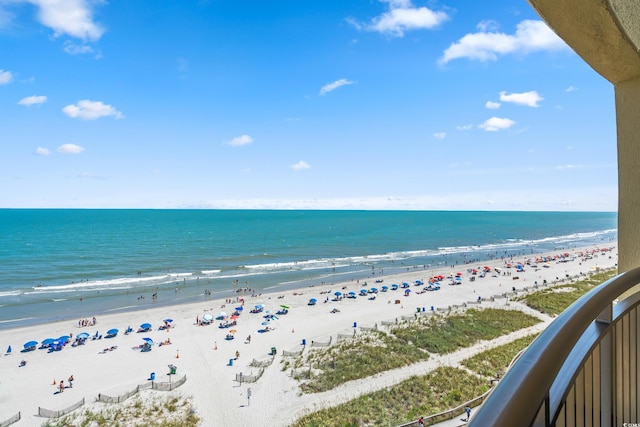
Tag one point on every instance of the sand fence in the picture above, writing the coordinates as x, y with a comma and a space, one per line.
11, 420
162, 386
47, 413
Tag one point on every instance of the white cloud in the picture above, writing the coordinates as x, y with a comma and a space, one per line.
464, 127
330, 87
77, 49
440, 135
70, 149
402, 16
571, 89
5, 77
495, 124
240, 141
530, 36
530, 99
492, 105
71, 17
91, 110
301, 165
487, 25
40, 151
33, 100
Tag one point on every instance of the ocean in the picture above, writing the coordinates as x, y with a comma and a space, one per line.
76, 263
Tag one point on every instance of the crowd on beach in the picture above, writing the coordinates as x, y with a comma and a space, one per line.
206, 361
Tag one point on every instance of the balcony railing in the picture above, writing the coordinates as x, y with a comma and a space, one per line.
583, 370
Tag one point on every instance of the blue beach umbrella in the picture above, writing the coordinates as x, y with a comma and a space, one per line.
47, 341
148, 340
168, 320
239, 308
30, 344
83, 335
64, 338
145, 325
338, 293
113, 331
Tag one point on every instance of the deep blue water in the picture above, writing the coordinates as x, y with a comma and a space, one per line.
50, 258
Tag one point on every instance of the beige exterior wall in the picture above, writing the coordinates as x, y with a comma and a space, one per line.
606, 34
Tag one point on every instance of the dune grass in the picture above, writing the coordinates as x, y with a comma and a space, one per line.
492, 363
555, 300
447, 334
158, 411
363, 356
428, 394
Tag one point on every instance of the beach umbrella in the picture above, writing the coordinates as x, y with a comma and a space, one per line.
47, 341
239, 308
338, 293
286, 307
9, 350
30, 344
64, 338
208, 317
168, 320
352, 293
148, 340
232, 331
146, 326
222, 314
81, 335
113, 331
233, 317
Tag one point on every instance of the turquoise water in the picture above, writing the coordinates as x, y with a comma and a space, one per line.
52, 258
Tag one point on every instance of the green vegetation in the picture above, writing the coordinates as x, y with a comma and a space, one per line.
159, 411
445, 335
555, 300
361, 357
490, 362
429, 394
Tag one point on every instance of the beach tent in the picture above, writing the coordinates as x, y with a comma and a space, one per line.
46, 342
30, 345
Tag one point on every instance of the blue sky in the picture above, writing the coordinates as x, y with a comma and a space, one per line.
362, 104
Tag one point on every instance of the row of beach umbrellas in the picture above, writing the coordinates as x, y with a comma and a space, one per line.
82, 335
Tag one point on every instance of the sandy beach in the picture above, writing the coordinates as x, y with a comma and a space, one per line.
203, 354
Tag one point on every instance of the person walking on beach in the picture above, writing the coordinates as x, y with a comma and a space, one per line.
61, 386
70, 380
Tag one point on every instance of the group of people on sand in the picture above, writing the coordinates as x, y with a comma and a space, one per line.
61, 385
87, 322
